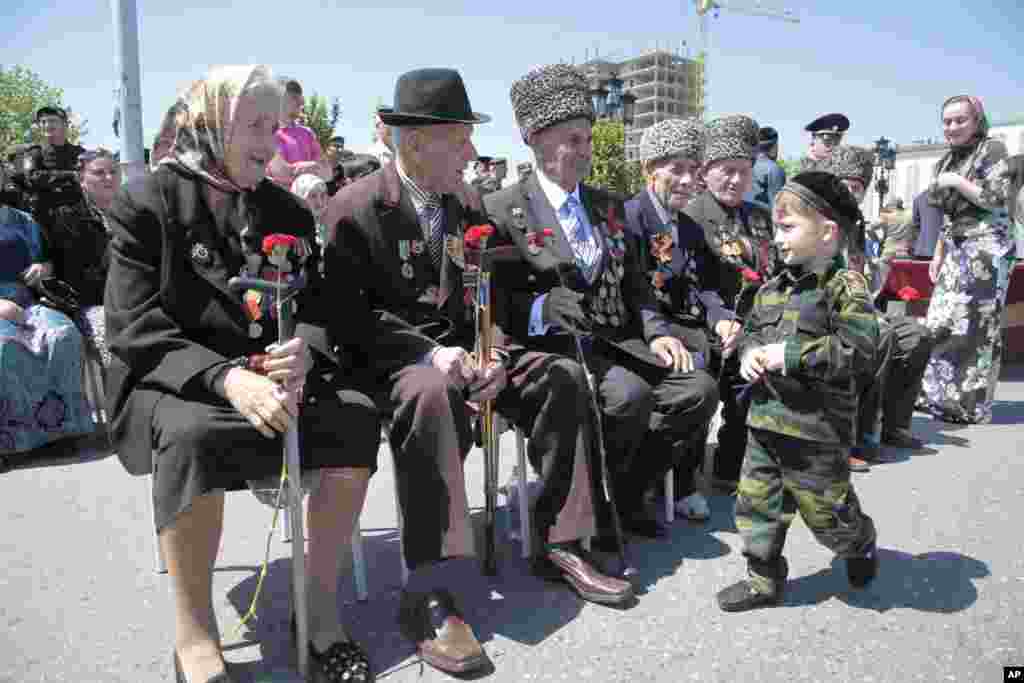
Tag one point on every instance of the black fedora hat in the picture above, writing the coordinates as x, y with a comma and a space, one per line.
430, 96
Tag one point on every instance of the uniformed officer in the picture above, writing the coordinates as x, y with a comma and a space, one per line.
826, 133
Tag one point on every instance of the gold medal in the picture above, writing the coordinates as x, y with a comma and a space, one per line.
407, 271
255, 330
616, 321
601, 320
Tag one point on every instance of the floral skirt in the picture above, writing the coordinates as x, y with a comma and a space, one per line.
41, 376
965, 318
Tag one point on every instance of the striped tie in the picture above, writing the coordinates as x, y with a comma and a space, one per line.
433, 215
585, 249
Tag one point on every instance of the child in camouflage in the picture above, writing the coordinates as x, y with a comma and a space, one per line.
811, 332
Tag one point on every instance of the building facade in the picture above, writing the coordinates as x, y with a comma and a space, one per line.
665, 84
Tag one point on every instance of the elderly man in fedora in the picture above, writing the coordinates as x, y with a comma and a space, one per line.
585, 280
396, 264
681, 266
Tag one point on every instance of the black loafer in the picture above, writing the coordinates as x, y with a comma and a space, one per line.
344, 661
741, 597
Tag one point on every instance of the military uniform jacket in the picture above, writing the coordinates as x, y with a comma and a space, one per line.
684, 275
741, 238
382, 276
619, 301
830, 331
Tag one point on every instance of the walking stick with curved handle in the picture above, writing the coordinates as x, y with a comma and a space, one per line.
284, 293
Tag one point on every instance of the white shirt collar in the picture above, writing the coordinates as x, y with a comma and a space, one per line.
555, 194
416, 193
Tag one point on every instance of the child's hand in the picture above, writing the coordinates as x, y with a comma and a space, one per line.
752, 364
774, 356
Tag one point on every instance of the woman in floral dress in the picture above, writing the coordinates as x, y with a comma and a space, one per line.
971, 267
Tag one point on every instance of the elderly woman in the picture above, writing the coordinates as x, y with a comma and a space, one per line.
200, 390
40, 351
971, 267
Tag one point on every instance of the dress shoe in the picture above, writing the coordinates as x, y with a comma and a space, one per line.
569, 563
179, 675
443, 639
862, 570
344, 660
694, 507
902, 438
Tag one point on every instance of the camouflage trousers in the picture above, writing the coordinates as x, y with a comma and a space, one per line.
782, 475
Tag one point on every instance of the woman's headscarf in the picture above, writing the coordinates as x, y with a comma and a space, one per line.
306, 183
207, 123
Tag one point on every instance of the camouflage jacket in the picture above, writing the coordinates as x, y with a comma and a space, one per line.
830, 331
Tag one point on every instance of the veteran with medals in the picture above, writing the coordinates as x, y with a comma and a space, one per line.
586, 280
681, 267
740, 235
397, 257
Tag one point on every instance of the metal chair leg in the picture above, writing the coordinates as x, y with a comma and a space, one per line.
359, 564
299, 597
286, 525
386, 429
525, 527
670, 496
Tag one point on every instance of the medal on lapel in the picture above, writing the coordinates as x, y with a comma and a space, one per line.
518, 217
201, 254
456, 250
404, 251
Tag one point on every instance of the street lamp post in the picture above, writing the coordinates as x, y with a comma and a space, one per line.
885, 161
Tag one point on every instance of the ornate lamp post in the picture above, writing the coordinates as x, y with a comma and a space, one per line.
885, 161
610, 102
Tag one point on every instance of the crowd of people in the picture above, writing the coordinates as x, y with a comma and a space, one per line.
620, 326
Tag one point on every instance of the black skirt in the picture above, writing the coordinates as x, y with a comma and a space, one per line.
202, 444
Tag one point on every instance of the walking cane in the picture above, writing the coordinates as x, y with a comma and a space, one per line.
608, 489
283, 294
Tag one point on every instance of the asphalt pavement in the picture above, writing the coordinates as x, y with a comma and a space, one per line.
80, 600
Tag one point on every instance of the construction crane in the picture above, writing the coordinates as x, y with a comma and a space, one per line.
704, 8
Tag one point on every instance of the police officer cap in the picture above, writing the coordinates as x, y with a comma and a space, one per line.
829, 123
51, 111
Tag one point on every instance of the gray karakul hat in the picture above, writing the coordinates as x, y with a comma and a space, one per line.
848, 161
673, 138
548, 95
731, 137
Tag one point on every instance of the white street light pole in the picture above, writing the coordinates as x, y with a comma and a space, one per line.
128, 89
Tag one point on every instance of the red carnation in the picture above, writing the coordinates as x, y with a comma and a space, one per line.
659, 279
614, 226
476, 236
908, 293
751, 276
278, 239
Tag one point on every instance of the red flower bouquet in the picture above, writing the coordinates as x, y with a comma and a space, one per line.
908, 293
476, 236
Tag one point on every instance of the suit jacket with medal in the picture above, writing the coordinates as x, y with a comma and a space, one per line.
738, 241
381, 273
687, 283
170, 313
621, 305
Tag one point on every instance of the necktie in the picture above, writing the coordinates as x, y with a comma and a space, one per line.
434, 217
583, 247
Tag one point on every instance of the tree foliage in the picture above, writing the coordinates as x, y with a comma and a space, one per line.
611, 170
790, 166
22, 92
322, 118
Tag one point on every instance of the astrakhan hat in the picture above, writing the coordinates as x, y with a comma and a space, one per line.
848, 161
731, 137
673, 138
548, 95
430, 96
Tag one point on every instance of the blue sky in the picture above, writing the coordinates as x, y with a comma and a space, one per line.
887, 64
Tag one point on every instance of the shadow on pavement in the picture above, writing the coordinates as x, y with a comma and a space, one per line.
1007, 412
660, 559
931, 582
514, 604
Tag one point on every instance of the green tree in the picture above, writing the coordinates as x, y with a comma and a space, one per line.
22, 92
611, 170
790, 166
322, 118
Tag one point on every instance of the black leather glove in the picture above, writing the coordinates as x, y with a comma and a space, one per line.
562, 308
